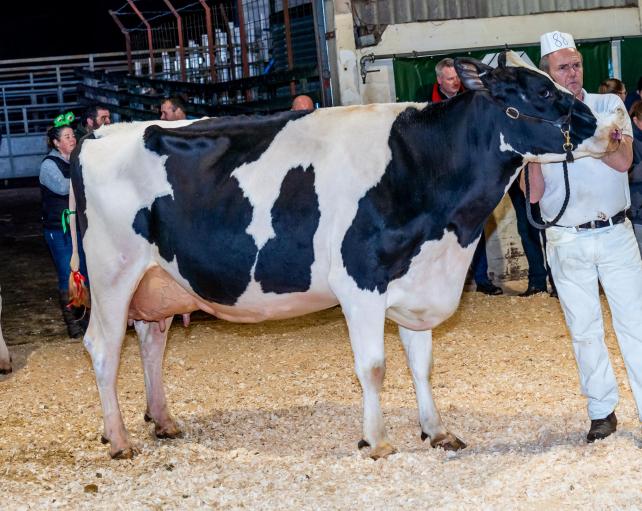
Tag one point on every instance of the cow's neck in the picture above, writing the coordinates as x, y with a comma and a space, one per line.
450, 156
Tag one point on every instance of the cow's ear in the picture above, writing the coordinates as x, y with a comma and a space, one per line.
472, 72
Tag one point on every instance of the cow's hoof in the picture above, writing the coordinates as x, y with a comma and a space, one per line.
5, 366
171, 431
104, 440
362, 444
447, 442
124, 454
147, 417
383, 450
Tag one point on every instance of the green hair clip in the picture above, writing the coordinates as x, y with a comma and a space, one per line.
64, 119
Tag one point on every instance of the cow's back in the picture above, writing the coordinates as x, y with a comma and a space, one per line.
241, 212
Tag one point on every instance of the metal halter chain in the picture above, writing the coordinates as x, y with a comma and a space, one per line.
564, 124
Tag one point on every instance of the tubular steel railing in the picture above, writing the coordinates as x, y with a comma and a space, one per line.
33, 92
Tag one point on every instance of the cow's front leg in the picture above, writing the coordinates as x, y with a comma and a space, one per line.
365, 324
152, 347
418, 346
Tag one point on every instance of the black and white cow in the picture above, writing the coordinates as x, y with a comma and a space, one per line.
5, 359
377, 208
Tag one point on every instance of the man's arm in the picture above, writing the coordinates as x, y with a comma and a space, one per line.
535, 182
622, 158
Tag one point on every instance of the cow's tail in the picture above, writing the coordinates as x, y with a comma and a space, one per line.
78, 293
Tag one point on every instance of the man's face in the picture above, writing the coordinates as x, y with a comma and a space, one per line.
449, 81
171, 113
565, 67
102, 117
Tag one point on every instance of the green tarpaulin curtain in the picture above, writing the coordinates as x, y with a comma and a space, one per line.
414, 77
631, 62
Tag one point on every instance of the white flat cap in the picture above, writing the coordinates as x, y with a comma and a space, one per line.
553, 41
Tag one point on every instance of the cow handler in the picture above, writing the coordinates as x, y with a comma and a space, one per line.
593, 243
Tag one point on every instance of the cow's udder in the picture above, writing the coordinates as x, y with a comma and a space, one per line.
159, 296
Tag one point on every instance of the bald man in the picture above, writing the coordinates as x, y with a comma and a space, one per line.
302, 103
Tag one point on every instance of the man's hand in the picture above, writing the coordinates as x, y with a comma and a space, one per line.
535, 182
619, 155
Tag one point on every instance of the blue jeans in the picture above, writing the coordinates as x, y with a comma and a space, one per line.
59, 244
480, 262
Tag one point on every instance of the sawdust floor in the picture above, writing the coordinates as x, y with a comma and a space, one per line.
272, 412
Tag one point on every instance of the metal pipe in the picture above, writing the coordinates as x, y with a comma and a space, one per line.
243, 35
230, 42
210, 40
150, 44
7, 132
288, 43
181, 46
128, 43
315, 21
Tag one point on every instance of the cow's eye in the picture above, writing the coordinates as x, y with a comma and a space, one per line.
545, 94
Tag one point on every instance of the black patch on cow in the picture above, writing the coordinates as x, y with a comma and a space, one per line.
78, 184
430, 184
448, 172
284, 262
204, 224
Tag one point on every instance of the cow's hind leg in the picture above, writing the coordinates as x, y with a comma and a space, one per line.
418, 346
152, 347
103, 340
5, 359
365, 325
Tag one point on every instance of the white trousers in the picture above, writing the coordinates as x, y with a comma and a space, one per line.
578, 259
637, 228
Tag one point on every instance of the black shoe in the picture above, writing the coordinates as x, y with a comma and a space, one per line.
488, 288
72, 317
532, 290
601, 428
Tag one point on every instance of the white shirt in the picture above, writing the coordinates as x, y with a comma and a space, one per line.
596, 190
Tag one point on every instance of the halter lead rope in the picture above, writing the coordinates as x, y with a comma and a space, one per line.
567, 195
564, 124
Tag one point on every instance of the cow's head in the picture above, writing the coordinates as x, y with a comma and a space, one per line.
537, 111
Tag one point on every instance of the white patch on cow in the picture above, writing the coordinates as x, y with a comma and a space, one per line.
327, 128
128, 127
431, 289
106, 171
505, 146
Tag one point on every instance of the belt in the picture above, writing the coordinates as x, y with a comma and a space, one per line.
618, 218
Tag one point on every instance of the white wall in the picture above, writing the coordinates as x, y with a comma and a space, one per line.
505, 254
451, 35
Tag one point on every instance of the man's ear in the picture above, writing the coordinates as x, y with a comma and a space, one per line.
472, 72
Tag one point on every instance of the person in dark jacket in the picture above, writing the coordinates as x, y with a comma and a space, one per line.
448, 84
54, 187
92, 118
635, 173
